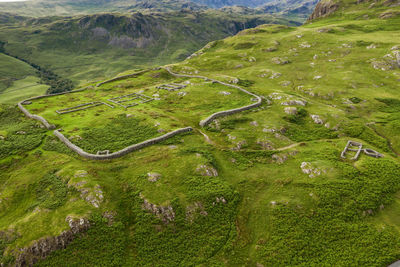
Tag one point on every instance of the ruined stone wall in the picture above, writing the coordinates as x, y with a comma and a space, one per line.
122, 152
214, 116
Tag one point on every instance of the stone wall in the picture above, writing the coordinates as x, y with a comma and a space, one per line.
39, 118
122, 152
214, 116
146, 143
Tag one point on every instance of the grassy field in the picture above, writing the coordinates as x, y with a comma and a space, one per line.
266, 188
166, 112
23, 89
18, 80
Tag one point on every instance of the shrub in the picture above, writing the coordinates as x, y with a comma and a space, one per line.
245, 83
51, 191
116, 135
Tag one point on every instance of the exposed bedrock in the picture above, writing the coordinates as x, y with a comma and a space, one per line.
41, 248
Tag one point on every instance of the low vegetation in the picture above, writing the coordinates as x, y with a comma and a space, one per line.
264, 187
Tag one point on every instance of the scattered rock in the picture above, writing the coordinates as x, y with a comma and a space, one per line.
239, 145
305, 45
317, 119
166, 214
291, 110
182, 93
193, 210
219, 200
252, 59
268, 130
270, 49
231, 137
205, 170
21, 132
311, 171
2, 138
389, 14
254, 123
317, 77
239, 66
285, 83
294, 103
93, 196
372, 46
153, 176
265, 144
109, 215
280, 159
76, 137
81, 173
224, 93
280, 61
276, 96
129, 115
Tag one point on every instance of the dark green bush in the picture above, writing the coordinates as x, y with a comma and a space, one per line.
334, 231
51, 191
392, 105
117, 134
245, 83
245, 45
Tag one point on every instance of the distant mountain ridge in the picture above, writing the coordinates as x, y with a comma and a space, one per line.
223, 3
131, 40
70, 7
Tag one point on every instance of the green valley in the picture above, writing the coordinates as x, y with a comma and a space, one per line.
291, 159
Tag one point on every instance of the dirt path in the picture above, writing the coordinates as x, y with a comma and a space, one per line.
208, 140
288, 147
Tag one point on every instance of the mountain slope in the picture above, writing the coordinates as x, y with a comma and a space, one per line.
82, 47
70, 8
289, 8
268, 186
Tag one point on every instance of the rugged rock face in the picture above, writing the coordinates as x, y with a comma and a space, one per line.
324, 8
41, 248
166, 214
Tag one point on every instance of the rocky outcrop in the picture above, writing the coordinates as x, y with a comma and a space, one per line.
165, 213
323, 9
205, 170
192, 211
41, 248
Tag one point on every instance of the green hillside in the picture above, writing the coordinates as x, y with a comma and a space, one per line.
18, 80
268, 186
93, 47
